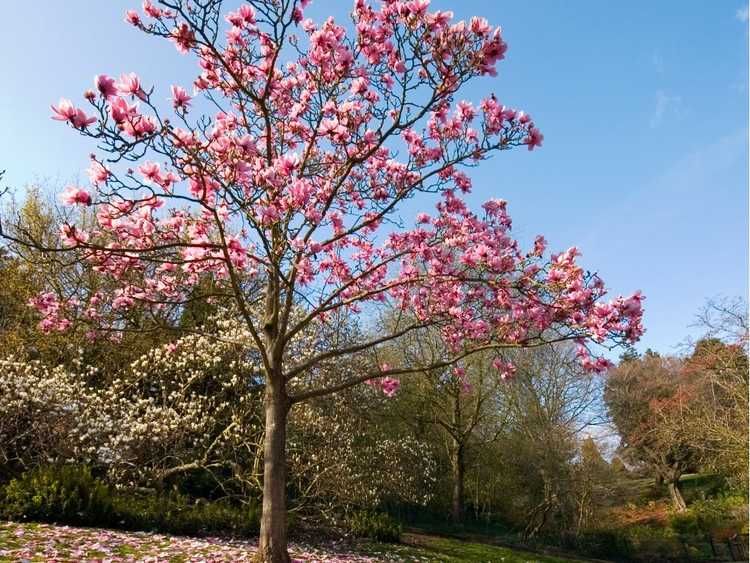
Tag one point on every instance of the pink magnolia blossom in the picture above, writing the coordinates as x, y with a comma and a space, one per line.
183, 38
534, 138
151, 10
106, 86
132, 17
66, 111
74, 195
180, 98
98, 173
130, 84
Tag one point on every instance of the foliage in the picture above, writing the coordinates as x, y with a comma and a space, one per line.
705, 516
549, 401
178, 514
378, 526
602, 542
25, 272
717, 418
67, 494
340, 457
645, 397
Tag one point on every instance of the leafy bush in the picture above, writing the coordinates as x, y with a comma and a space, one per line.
177, 514
603, 543
685, 523
375, 525
71, 495
66, 494
704, 516
654, 544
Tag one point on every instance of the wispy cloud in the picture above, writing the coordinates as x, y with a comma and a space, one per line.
658, 61
665, 105
743, 14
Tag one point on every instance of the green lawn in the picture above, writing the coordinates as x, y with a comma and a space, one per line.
419, 547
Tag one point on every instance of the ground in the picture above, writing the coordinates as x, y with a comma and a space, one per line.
43, 542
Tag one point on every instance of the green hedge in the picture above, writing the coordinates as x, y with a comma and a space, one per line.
71, 495
375, 525
65, 494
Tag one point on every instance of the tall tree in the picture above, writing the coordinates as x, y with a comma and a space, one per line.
294, 183
550, 401
646, 398
461, 403
716, 371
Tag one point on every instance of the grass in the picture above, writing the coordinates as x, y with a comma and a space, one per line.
420, 547
44, 542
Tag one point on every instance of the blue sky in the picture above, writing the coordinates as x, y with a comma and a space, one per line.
643, 106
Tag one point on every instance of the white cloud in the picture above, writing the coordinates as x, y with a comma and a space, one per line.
664, 105
743, 14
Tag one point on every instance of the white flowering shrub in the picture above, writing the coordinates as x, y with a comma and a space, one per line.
341, 460
45, 414
186, 405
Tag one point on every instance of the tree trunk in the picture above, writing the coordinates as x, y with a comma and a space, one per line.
458, 462
272, 546
678, 502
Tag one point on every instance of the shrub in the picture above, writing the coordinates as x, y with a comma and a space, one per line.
603, 543
178, 514
685, 523
375, 525
71, 495
65, 494
654, 544
704, 516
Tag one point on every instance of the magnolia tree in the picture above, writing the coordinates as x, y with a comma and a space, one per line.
283, 184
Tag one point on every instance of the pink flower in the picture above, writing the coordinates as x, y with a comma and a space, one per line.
120, 110
506, 369
65, 111
151, 10
130, 84
98, 174
180, 98
534, 138
151, 171
389, 386
72, 236
132, 17
245, 15
540, 244
183, 38
105, 85
75, 196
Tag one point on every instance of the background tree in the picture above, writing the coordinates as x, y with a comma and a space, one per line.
551, 400
285, 194
646, 398
716, 419
593, 484
461, 404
